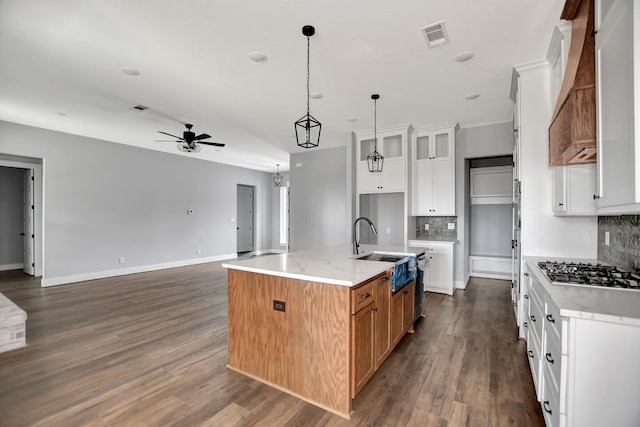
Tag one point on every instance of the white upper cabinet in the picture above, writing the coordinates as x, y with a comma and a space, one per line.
618, 105
392, 144
572, 190
433, 172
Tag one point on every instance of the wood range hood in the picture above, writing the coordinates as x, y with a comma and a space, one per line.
572, 133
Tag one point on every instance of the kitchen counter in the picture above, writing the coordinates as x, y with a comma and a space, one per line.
333, 265
590, 302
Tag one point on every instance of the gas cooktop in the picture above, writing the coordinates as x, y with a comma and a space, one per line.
608, 276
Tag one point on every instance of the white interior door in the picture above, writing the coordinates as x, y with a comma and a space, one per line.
245, 227
27, 215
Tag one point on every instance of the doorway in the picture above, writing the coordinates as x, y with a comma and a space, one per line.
246, 219
22, 222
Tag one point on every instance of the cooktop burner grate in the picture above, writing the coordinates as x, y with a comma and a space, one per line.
607, 276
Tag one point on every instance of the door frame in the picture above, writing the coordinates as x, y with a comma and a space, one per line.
39, 211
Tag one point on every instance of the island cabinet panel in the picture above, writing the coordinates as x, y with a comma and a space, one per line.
382, 311
304, 349
397, 318
362, 336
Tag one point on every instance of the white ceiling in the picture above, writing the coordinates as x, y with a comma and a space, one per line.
61, 61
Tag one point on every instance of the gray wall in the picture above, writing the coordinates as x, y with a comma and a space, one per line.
318, 198
474, 142
490, 229
11, 245
104, 200
386, 211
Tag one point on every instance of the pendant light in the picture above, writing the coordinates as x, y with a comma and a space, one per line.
307, 127
375, 159
277, 178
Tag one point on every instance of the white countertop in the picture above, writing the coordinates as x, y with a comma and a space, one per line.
333, 264
590, 302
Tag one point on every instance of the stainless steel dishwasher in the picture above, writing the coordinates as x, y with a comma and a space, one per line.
421, 277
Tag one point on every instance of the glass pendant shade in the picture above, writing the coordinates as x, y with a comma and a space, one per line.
375, 160
307, 127
277, 178
308, 131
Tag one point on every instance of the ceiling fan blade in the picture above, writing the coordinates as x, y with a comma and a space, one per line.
179, 137
165, 140
215, 144
202, 136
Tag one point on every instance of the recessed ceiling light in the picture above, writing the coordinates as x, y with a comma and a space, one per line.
130, 71
352, 119
258, 56
463, 56
140, 107
315, 95
62, 114
472, 96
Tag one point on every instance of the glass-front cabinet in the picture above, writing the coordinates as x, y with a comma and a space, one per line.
433, 171
392, 144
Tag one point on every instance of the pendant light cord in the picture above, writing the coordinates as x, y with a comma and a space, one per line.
375, 125
308, 91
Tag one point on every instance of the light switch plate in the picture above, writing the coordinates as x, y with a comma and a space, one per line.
426, 227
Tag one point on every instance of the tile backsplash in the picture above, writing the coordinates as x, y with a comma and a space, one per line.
623, 250
438, 228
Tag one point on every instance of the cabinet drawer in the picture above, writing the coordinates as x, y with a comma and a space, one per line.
552, 319
533, 354
550, 401
435, 249
362, 296
536, 314
552, 358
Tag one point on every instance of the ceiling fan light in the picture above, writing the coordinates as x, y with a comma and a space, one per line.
186, 148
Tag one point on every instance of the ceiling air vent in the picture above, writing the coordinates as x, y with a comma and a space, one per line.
140, 107
435, 34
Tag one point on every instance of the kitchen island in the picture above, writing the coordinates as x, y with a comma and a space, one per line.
316, 324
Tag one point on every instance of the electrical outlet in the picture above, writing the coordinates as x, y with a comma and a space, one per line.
279, 305
426, 227
121, 260
606, 238
388, 230
198, 251
451, 225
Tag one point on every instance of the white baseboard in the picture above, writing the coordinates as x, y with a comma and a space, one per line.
6, 267
460, 284
63, 280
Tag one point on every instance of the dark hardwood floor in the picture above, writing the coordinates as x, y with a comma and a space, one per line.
150, 350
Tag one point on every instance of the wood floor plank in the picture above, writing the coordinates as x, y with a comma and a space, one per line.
150, 349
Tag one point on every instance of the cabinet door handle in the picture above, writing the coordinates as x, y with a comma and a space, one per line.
596, 196
560, 204
550, 318
375, 308
406, 292
549, 358
530, 353
525, 324
385, 278
526, 296
533, 317
547, 406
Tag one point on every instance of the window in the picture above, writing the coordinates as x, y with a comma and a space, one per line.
284, 214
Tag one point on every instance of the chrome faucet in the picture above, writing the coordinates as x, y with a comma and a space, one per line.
356, 246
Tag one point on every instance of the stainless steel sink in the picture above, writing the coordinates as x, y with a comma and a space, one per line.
381, 257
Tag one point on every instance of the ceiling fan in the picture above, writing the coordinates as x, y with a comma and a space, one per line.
189, 142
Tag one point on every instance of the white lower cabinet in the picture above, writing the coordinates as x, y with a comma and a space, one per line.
585, 371
439, 274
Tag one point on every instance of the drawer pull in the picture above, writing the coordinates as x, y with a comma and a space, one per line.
385, 278
533, 317
365, 296
547, 406
530, 352
550, 318
525, 324
549, 358
526, 296
526, 274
